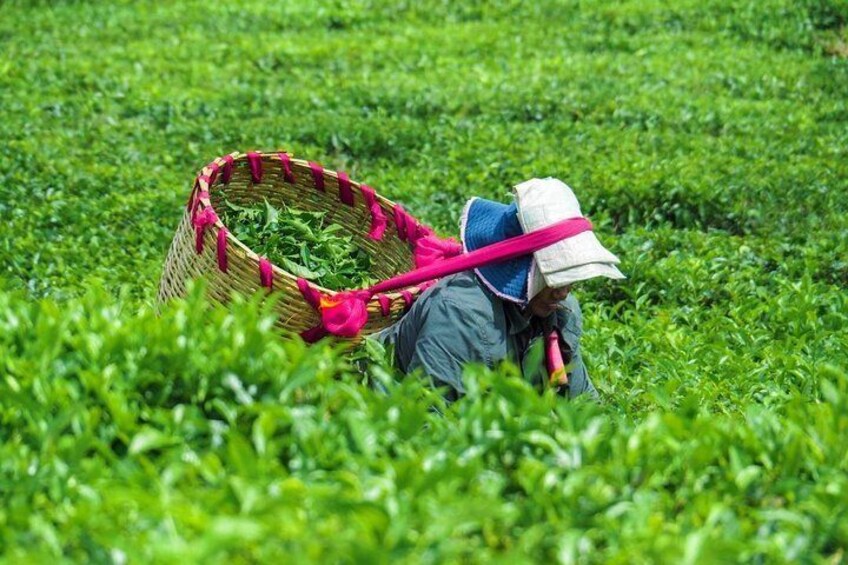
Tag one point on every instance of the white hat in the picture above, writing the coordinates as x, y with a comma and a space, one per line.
542, 202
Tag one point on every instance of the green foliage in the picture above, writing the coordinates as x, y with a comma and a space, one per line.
202, 434
705, 139
300, 242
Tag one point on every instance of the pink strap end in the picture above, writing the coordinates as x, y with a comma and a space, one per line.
317, 175
378, 218
266, 273
228, 169
313, 334
407, 299
201, 221
254, 159
385, 304
400, 221
288, 175
411, 229
312, 296
222, 249
345, 194
553, 359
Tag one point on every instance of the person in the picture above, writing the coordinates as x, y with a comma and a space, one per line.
499, 311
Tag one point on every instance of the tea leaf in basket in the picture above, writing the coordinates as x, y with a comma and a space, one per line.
298, 270
301, 242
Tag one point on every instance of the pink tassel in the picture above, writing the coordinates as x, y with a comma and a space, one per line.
407, 299
317, 175
411, 229
288, 175
400, 221
312, 296
378, 218
345, 194
213, 175
313, 334
228, 169
203, 220
385, 304
222, 249
553, 359
266, 273
255, 161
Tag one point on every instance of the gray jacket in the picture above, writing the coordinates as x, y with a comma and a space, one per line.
459, 321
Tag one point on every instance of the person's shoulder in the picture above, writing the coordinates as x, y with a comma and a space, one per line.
461, 292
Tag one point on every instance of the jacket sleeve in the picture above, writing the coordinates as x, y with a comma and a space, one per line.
448, 338
571, 327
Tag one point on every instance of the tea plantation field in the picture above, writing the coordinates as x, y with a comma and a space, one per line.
706, 139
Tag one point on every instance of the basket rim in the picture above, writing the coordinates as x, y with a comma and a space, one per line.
204, 185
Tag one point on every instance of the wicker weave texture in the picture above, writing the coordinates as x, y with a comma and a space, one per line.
389, 256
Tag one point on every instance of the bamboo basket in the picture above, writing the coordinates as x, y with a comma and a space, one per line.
282, 180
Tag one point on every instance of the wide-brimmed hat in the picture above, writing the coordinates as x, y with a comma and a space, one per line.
538, 204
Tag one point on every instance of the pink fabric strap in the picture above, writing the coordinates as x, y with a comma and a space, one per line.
495, 253
553, 360
312, 296
228, 169
198, 196
407, 299
378, 218
345, 193
430, 249
288, 175
266, 273
213, 175
203, 220
400, 221
222, 249
254, 159
385, 304
317, 175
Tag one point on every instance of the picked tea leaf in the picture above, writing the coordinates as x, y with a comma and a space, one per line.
301, 242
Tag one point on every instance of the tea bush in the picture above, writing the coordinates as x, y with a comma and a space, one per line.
706, 141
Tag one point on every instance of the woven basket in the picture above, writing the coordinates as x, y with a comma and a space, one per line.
229, 266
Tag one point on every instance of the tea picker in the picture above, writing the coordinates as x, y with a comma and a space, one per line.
485, 300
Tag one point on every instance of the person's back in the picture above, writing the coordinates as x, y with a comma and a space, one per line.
460, 321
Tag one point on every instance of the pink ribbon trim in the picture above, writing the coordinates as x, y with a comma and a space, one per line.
345, 193
198, 196
317, 175
313, 334
312, 296
288, 175
213, 175
553, 360
254, 159
407, 299
222, 249
266, 273
431, 249
203, 220
400, 221
228, 169
495, 253
385, 304
378, 218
